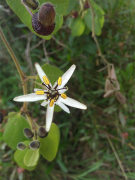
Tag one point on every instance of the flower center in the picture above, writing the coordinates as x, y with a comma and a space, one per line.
52, 94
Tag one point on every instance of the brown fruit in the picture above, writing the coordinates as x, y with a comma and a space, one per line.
109, 94
33, 4
39, 28
42, 132
120, 98
46, 14
21, 146
28, 133
34, 145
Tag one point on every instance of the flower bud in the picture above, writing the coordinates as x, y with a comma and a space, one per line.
1, 118
42, 132
21, 146
39, 28
28, 133
34, 145
33, 4
75, 15
46, 14
86, 5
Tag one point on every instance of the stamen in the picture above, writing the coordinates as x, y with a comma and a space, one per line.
63, 88
63, 96
45, 85
52, 102
59, 81
46, 80
39, 92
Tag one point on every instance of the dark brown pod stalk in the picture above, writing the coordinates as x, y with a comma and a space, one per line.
33, 4
46, 14
39, 28
42, 132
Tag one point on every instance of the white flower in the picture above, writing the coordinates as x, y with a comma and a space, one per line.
52, 94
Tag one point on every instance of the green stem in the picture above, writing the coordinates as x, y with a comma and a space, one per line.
31, 77
23, 78
94, 36
16, 64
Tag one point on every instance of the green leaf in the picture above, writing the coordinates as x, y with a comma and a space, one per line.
53, 74
60, 8
99, 18
77, 26
31, 157
49, 145
14, 130
86, 30
19, 158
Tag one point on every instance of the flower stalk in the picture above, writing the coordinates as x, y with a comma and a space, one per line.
23, 78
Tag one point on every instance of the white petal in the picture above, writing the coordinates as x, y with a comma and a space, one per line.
30, 97
35, 89
49, 117
62, 91
40, 72
54, 84
66, 76
44, 103
73, 103
65, 108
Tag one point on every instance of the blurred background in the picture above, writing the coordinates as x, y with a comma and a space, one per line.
97, 143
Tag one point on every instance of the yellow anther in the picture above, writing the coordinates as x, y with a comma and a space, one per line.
46, 80
39, 92
63, 96
59, 81
52, 102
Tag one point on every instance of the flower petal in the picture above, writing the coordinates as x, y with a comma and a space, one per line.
49, 117
44, 103
65, 108
73, 103
62, 91
35, 89
40, 72
30, 98
66, 76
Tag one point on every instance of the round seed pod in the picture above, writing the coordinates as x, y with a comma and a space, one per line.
46, 14
39, 28
28, 133
42, 132
21, 146
34, 145
1, 118
33, 4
